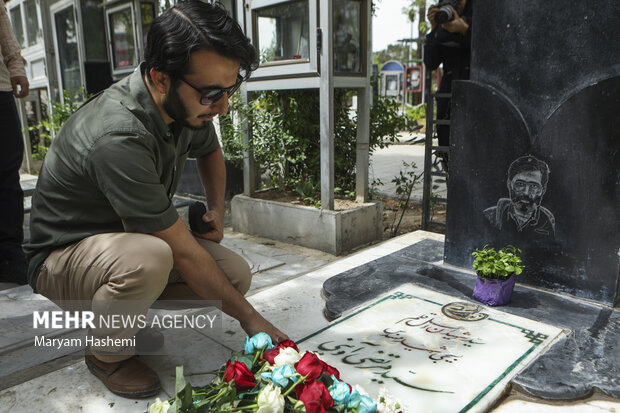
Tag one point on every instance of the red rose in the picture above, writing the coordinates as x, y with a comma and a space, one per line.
288, 343
311, 365
239, 372
270, 355
330, 370
316, 397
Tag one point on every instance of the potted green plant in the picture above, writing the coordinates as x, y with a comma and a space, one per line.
497, 271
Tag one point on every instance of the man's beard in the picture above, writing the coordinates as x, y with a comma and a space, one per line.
524, 204
175, 108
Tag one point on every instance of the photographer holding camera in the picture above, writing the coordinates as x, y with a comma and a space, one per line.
449, 43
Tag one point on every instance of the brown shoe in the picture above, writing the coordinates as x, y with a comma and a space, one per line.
128, 378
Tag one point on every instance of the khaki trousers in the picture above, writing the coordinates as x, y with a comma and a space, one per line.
127, 266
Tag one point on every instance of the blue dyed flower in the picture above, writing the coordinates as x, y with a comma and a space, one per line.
354, 399
260, 341
366, 405
339, 391
280, 375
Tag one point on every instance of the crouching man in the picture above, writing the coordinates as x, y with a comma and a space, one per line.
103, 226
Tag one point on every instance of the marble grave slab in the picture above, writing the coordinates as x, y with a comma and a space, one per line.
432, 352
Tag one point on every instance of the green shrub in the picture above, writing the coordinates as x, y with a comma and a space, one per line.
405, 183
415, 113
286, 135
49, 127
497, 265
307, 190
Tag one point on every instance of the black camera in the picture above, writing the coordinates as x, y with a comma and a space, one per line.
445, 13
196, 224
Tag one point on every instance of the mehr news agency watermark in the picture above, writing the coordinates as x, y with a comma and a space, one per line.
53, 321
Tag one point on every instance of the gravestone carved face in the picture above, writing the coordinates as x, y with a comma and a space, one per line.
526, 192
527, 183
537, 93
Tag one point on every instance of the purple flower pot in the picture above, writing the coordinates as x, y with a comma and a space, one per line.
494, 292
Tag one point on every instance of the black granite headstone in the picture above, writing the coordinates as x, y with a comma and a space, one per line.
573, 368
535, 157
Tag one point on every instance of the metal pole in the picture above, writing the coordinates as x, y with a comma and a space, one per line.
326, 98
362, 157
423, 77
364, 96
403, 83
410, 44
428, 151
249, 174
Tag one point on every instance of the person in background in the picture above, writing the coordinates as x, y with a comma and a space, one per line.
13, 84
450, 44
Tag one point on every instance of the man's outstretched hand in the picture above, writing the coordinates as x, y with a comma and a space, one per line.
257, 323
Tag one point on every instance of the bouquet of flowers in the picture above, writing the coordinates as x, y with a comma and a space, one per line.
269, 379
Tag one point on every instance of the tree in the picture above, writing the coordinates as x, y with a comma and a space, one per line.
399, 52
419, 7
415, 11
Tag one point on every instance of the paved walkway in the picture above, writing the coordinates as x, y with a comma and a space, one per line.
386, 164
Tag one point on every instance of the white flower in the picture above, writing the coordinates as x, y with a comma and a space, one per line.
287, 355
159, 406
270, 400
387, 404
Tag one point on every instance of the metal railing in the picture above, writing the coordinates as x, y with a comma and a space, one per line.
432, 167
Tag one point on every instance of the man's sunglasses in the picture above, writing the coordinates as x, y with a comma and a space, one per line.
210, 95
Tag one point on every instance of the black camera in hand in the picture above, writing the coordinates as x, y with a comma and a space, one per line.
445, 13
196, 224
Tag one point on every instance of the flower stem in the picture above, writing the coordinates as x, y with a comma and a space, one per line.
200, 373
262, 368
290, 389
239, 408
258, 354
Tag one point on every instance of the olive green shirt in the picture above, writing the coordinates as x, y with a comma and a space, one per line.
113, 167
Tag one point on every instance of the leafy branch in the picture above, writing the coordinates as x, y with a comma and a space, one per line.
405, 183
48, 128
497, 265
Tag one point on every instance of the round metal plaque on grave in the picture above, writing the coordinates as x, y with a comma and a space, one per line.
464, 311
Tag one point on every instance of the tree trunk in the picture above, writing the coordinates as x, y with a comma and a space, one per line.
421, 18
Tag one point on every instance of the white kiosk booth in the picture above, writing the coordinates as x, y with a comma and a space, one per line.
319, 44
392, 79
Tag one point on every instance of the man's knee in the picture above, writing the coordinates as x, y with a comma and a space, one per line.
151, 259
240, 275
158, 263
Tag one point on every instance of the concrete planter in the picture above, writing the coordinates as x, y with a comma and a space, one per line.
335, 232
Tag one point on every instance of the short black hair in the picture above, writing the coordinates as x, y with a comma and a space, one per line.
529, 163
191, 26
